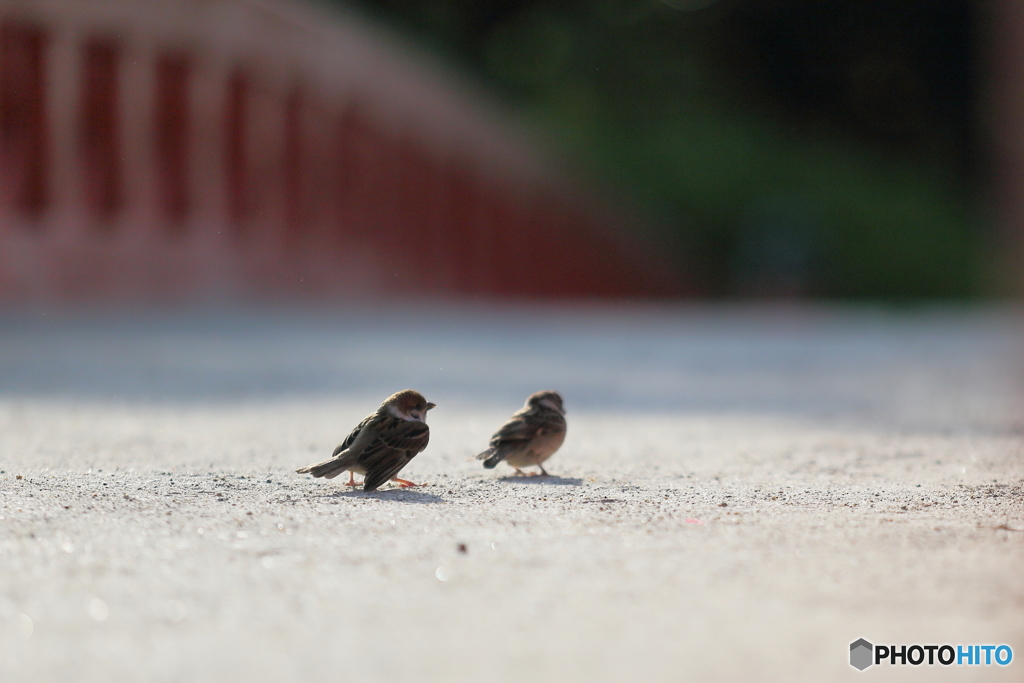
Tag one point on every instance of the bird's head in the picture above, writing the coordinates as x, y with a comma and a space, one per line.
547, 399
407, 405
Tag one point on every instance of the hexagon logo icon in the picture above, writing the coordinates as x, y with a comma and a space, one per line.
861, 654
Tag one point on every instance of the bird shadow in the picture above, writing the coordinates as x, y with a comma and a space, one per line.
397, 495
549, 480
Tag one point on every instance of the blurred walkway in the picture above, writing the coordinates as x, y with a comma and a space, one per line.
939, 368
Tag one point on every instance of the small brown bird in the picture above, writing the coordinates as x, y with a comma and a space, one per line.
531, 436
382, 444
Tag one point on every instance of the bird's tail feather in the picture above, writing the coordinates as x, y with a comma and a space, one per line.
491, 458
328, 469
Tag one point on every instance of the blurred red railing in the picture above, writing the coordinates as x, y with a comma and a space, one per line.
23, 121
250, 164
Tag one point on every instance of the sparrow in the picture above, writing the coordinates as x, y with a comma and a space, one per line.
531, 435
382, 444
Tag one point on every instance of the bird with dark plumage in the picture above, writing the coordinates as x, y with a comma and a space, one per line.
382, 444
531, 436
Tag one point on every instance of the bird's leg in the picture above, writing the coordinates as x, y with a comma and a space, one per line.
519, 472
404, 483
352, 479
543, 472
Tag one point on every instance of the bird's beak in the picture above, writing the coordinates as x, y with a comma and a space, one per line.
431, 405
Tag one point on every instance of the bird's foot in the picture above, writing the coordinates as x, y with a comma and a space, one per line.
404, 483
519, 472
352, 480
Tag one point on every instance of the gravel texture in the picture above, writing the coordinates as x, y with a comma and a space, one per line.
743, 492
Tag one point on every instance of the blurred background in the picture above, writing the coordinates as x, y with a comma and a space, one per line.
229, 228
786, 147
245, 149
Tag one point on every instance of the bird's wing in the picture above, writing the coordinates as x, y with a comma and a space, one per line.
383, 465
397, 442
526, 425
349, 449
404, 435
516, 429
359, 438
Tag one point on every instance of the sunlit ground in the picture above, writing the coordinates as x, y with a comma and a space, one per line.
743, 492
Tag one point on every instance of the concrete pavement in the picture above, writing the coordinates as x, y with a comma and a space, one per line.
743, 492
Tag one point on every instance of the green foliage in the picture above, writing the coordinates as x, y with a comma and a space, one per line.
865, 225
755, 199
